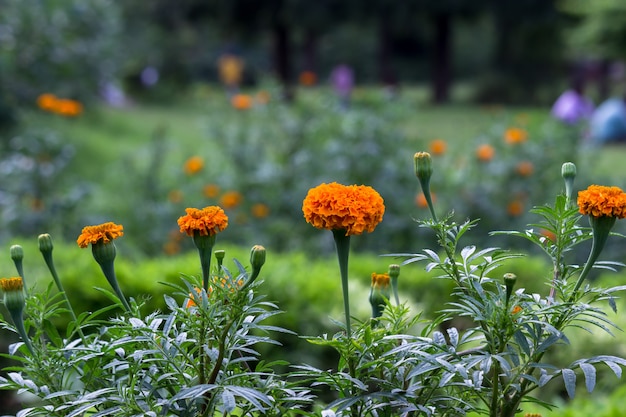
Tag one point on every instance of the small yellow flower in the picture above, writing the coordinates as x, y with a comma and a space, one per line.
105, 232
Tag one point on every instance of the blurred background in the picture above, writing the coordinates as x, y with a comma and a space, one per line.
131, 111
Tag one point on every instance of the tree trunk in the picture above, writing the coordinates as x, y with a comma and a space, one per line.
282, 59
385, 52
441, 58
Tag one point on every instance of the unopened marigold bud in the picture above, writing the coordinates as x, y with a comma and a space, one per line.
219, 254
45, 243
257, 256
568, 170
394, 273
509, 282
423, 165
17, 253
379, 294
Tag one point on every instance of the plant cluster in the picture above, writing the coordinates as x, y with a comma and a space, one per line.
200, 356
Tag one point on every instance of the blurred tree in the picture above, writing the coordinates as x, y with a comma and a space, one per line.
65, 47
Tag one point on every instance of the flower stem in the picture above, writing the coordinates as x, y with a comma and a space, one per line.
109, 273
342, 243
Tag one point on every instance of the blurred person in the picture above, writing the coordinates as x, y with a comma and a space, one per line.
342, 80
608, 122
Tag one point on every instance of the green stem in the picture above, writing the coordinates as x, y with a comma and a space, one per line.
47, 257
342, 243
109, 273
205, 244
18, 321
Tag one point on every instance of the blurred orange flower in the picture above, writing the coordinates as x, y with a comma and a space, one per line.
171, 248
260, 210
485, 152
438, 147
211, 190
241, 101
47, 101
263, 97
307, 78
231, 199
515, 208
548, 235
420, 200
67, 107
175, 196
516, 310
193, 165
525, 168
515, 135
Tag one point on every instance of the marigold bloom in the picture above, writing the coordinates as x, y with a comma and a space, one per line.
231, 199
353, 208
193, 165
516, 310
485, 152
105, 232
599, 200
380, 280
420, 200
525, 168
515, 135
548, 235
47, 101
438, 147
207, 221
307, 78
515, 208
11, 284
241, 101
260, 210
211, 190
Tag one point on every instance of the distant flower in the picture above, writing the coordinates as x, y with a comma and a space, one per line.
516, 310
211, 190
230, 199
206, 222
602, 201
193, 165
525, 168
548, 235
515, 135
438, 147
260, 210
68, 108
175, 196
104, 233
485, 152
263, 97
353, 208
515, 208
47, 101
171, 248
420, 200
307, 78
241, 101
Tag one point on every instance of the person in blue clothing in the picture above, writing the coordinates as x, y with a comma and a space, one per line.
608, 122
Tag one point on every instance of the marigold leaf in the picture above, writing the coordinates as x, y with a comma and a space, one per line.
569, 378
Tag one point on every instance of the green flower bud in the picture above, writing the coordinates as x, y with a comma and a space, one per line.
394, 273
568, 170
257, 257
220, 254
45, 243
509, 282
17, 253
423, 165
102, 252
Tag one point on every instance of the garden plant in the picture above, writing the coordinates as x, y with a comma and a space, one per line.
200, 356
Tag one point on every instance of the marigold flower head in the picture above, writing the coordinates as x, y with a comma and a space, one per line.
231, 199
105, 232
211, 190
353, 208
207, 221
516, 310
485, 152
241, 101
515, 135
515, 208
193, 165
260, 210
67, 107
438, 147
307, 78
47, 101
525, 168
599, 200
11, 284
380, 281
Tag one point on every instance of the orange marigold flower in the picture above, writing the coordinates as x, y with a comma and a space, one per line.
525, 168
548, 235
438, 147
11, 284
516, 310
353, 208
193, 165
260, 210
207, 221
380, 280
231, 199
67, 107
307, 78
420, 200
599, 200
241, 101
47, 101
515, 208
105, 232
485, 152
515, 135
211, 190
